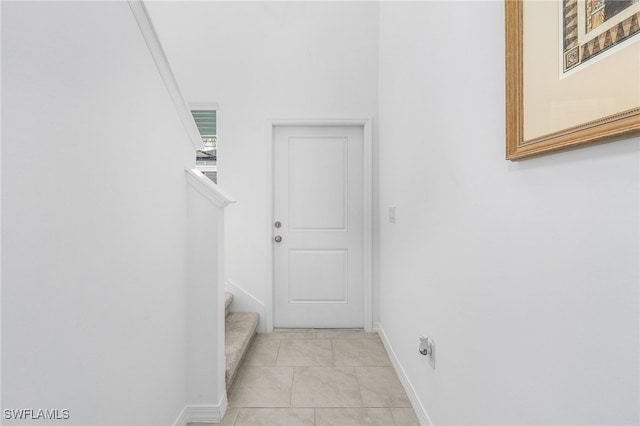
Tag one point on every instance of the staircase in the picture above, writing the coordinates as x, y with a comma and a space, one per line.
240, 327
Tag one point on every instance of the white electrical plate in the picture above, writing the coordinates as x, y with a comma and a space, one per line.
432, 356
427, 348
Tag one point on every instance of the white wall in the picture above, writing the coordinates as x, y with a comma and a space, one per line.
525, 274
94, 215
259, 61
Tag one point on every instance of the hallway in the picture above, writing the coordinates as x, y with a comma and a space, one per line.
318, 378
116, 251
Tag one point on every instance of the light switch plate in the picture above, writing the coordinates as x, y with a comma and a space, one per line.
392, 215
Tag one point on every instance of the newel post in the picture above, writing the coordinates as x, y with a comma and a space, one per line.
206, 390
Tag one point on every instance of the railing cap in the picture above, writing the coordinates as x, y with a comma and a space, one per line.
208, 188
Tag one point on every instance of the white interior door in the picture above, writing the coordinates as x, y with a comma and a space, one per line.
318, 227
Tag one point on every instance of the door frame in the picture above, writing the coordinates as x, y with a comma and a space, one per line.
367, 190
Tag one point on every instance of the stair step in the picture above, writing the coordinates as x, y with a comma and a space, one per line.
240, 327
228, 298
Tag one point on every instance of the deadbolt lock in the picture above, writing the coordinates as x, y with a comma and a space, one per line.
277, 224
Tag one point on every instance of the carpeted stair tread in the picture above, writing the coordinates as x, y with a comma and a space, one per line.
240, 327
228, 298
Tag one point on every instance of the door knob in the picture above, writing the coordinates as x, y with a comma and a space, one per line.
278, 238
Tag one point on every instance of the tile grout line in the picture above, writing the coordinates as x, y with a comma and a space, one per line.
293, 379
236, 418
333, 353
393, 417
275, 363
355, 371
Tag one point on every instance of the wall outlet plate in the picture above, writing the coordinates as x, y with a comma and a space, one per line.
428, 348
432, 356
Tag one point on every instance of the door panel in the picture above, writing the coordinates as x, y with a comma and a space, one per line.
317, 188
318, 199
318, 276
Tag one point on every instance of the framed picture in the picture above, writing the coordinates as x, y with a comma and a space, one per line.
572, 74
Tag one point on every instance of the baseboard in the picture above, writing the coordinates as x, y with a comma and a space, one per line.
421, 412
243, 301
203, 413
182, 418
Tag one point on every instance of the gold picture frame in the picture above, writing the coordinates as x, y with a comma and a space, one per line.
608, 127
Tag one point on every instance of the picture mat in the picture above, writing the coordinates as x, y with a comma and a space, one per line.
608, 86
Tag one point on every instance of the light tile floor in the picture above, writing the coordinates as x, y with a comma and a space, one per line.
318, 378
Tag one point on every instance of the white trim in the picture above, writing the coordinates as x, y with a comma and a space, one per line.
367, 135
182, 418
268, 320
162, 64
202, 413
419, 409
368, 225
208, 189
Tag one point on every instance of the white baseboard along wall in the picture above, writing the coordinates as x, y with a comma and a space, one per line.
202, 413
421, 412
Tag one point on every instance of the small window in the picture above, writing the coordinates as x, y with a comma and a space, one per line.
207, 158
